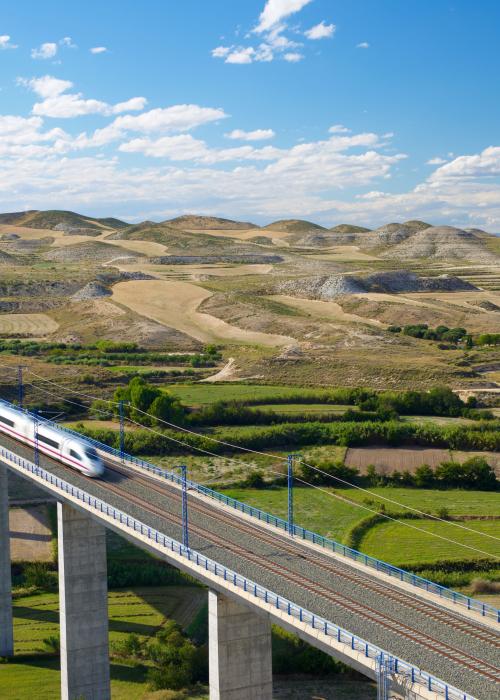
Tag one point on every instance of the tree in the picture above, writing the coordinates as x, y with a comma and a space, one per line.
424, 476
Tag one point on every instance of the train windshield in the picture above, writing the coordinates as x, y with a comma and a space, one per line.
91, 453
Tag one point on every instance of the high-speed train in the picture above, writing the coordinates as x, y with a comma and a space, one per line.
53, 442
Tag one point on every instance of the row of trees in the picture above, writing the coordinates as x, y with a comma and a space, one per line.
422, 330
474, 474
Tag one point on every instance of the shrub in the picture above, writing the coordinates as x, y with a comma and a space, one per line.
53, 644
481, 585
39, 575
174, 657
255, 480
424, 476
336, 471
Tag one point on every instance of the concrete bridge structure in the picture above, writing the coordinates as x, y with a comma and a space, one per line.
418, 642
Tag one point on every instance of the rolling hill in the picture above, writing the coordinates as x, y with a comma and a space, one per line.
203, 223
291, 226
59, 218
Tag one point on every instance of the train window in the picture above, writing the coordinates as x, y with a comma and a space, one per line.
47, 441
7, 421
91, 453
75, 454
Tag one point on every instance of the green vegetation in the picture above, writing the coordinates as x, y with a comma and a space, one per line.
357, 519
401, 545
422, 330
106, 353
34, 672
488, 339
449, 335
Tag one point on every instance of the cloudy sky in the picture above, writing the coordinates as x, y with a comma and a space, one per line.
357, 111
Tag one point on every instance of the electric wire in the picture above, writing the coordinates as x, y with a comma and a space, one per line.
265, 454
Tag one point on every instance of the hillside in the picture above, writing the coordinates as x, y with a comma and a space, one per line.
348, 228
193, 222
293, 226
58, 218
327, 287
439, 243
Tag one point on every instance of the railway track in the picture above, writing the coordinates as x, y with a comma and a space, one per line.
472, 663
431, 611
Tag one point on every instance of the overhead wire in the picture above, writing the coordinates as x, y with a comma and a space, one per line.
264, 454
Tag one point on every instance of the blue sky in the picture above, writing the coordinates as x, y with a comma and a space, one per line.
355, 110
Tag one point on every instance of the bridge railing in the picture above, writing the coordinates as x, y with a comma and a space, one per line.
399, 667
424, 584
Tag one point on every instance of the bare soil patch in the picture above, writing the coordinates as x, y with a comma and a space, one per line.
175, 304
27, 324
326, 310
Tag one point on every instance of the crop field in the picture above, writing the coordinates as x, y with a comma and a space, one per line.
203, 394
326, 310
302, 408
175, 304
27, 324
401, 545
409, 458
332, 513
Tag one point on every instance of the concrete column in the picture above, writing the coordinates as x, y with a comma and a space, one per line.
83, 606
240, 659
6, 636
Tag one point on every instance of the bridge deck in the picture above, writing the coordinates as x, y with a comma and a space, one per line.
460, 651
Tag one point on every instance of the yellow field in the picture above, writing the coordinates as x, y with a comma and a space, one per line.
27, 324
325, 310
212, 269
175, 304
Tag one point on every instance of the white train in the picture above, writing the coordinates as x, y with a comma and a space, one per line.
51, 441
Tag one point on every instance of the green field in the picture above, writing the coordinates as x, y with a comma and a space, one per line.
399, 544
142, 611
301, 408
313, 509
200, 394
392, 542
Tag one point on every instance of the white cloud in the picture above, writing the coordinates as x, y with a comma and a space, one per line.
176, 118
46, 86
5, 42
221, 51
275, 43
68, 42
320, 31
276, 10
363, 45
339, 129
58, 103
484, 164
256, 135
47, 50
241, 55
436, 161
98, 49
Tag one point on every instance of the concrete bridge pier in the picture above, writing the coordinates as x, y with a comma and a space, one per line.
240, 660
83, 604
6, 634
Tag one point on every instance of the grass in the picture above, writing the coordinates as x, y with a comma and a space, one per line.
203, 394
400, 545
33, 673
313, 509
457, 502
301, 408
392, 542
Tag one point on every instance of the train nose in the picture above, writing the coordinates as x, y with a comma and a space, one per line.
97, 469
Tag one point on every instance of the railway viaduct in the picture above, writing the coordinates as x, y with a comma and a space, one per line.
418, 640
